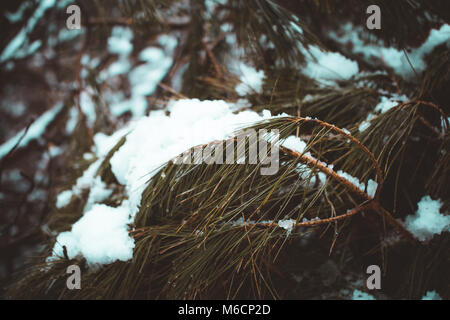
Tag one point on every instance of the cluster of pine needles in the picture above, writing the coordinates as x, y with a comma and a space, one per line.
186, 244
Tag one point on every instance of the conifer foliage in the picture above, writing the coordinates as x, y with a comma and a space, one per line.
94, 119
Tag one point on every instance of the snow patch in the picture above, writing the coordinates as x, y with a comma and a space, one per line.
35, 131
288, 225
251, 80
360, 295
22, 37
100, 236
63, 199
431, 295
328, 65
133, 164
392, 57
428, 221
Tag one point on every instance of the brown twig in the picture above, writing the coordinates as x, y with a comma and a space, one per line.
354, 140
373, 203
